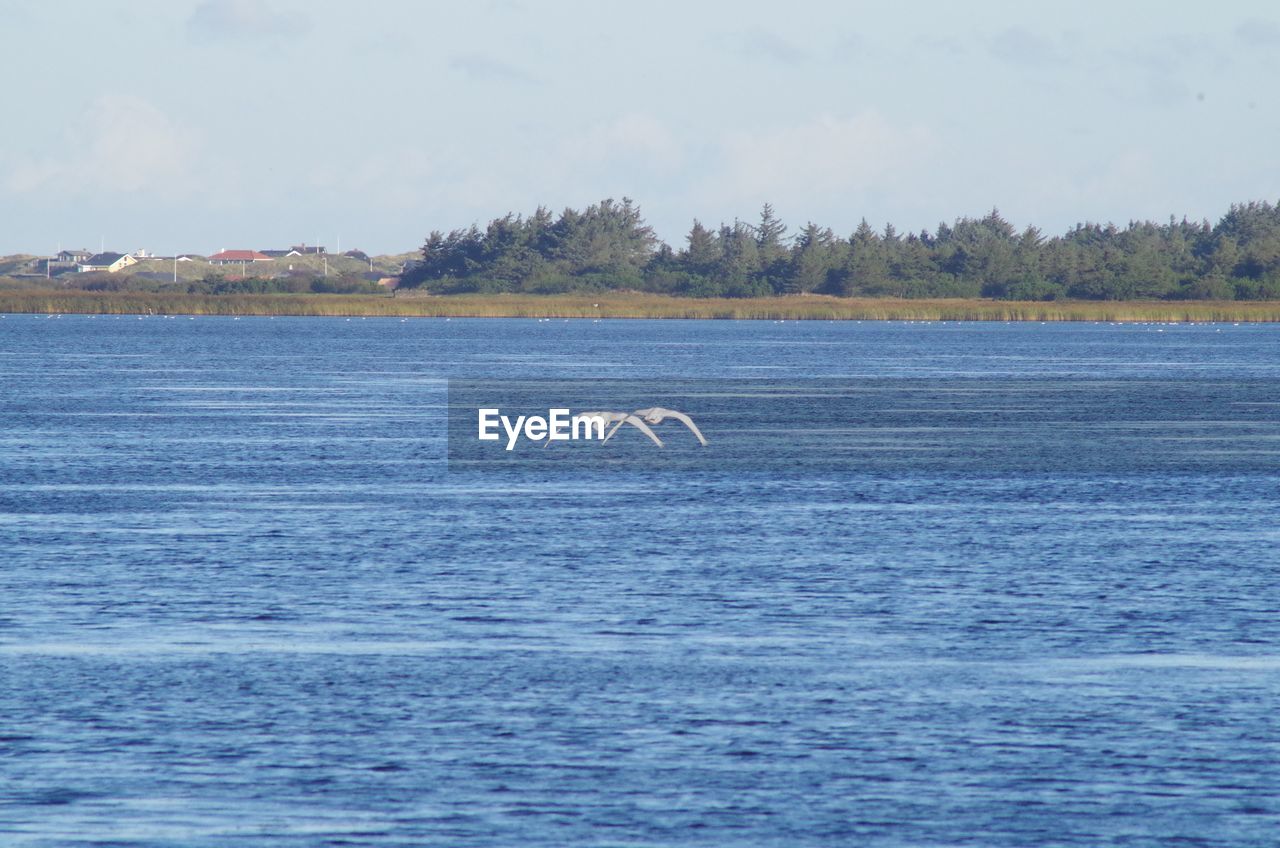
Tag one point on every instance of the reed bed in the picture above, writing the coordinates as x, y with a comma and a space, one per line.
633, 305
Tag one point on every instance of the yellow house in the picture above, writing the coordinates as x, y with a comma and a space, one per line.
109, 262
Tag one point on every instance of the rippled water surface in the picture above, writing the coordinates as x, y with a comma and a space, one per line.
245, 602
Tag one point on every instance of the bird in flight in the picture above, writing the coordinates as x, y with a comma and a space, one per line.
618, 419
656, 415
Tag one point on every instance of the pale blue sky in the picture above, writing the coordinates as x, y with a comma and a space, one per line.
200, 124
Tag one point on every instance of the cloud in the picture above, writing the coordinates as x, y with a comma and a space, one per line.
487, 69
769, 45
15, 12
946, 45
1258, 33
631, 142
827, 158
119, 145
396, 178
1166, 90
1019, 46
633, 154
1126, 178
236, 20
848, 48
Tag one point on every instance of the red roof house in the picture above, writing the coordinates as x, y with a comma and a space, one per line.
227, 257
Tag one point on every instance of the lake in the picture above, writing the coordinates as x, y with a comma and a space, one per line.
251, 596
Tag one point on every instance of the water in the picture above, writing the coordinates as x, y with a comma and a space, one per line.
243, 602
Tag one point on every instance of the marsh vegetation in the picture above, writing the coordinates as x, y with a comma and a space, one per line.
633, 305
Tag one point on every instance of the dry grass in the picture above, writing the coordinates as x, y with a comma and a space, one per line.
633, 305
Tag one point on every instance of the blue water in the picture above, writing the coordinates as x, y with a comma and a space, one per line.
245, 602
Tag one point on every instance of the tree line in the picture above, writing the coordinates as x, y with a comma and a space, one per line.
609, 246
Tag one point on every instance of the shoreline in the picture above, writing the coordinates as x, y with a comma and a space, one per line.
634, 306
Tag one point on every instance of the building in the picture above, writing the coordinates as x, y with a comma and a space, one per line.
109, 262
297, 250
237, 257
73, 257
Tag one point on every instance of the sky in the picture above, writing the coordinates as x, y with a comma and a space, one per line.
197, 125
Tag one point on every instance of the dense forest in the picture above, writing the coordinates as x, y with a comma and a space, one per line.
609, 246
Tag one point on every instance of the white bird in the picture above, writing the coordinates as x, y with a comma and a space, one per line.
617, 419
658, 414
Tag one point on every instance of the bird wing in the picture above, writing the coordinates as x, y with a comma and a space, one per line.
620, 419
688, 422
641, 426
